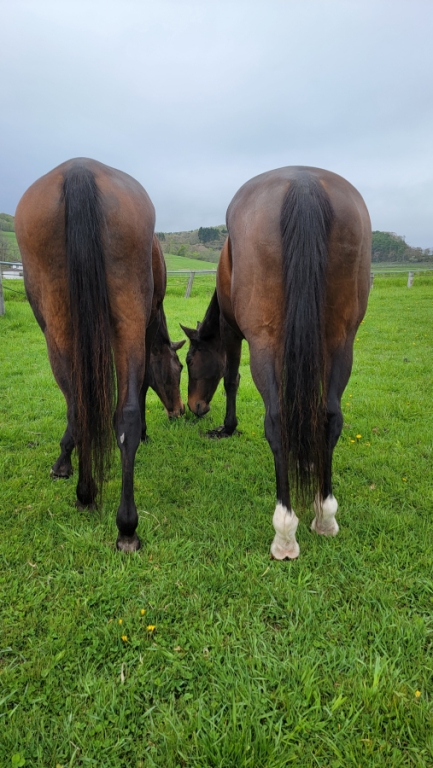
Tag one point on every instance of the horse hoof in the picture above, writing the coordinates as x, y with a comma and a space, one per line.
220, 432
128, 543
62, 473
279, 552
325, 527
81, 506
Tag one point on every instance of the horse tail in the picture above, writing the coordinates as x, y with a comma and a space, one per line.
305, 221
92, 360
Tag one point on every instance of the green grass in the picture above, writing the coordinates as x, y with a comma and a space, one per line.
385, 266
326, 661
181, 262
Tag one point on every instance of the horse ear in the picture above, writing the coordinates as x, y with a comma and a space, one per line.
190, 332
177, 344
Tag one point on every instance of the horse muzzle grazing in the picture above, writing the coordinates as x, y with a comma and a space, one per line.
176, 412
198, 407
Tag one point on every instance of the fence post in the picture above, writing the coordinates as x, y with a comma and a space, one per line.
189, 286
371, 280
2, 301
410, 280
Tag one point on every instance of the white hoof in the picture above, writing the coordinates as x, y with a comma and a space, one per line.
324, 521
284, 544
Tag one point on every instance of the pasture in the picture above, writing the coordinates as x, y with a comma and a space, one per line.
198, 650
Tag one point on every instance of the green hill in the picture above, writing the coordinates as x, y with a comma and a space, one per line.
204, 245
6, 222
387, 247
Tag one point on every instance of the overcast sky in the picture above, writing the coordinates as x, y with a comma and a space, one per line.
193, 98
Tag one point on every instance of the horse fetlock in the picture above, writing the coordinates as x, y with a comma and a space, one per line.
324, 521
284, 545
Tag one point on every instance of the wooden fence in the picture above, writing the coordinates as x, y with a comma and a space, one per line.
14, 269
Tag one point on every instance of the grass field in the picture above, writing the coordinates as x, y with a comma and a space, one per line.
199, 650
180, 262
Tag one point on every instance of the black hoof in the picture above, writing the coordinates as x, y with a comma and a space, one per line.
91, 506
128, 543
220, 432
64, 472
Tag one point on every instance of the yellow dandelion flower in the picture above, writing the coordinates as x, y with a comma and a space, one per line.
417, 694
352, 441
142, 611
151, 627
120, 621
404, 479
125, 638
358, 437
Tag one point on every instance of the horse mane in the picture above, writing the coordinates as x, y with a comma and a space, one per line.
92, 362
305, 222
210, 327
161, 337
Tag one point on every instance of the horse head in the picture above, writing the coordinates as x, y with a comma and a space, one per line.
206, 361
164, 376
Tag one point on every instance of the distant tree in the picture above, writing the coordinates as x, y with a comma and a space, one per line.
182, 250
4, 248
7, 222
160, 236
389, 247
207, 234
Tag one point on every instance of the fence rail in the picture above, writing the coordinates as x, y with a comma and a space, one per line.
16, 270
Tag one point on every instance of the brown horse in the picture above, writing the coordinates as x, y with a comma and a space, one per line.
95, 278
293, 280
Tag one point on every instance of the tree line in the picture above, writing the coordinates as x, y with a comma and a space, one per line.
205, 244
392, 248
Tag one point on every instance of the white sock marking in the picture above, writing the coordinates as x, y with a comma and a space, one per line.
284, 544
324, 521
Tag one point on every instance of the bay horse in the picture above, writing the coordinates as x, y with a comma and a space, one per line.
95, 278
293, 280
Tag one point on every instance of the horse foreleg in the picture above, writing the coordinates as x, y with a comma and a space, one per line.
142, 400
233, 347
285, 521
62, 468
60, 365
325, 504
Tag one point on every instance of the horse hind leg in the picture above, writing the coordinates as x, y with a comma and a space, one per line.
128, 426
285, 521
325, 504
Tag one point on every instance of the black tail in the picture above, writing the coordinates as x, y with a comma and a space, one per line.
306, 218
92, 364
